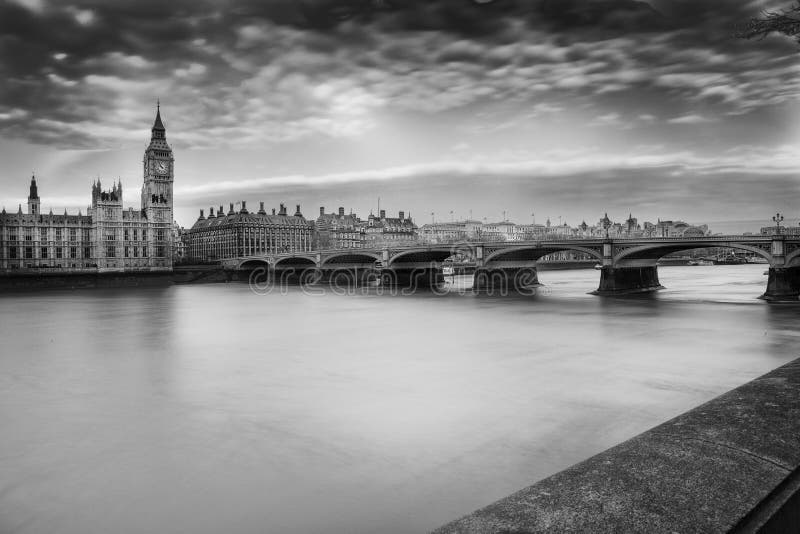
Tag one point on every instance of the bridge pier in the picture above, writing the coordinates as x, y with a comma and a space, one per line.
783, 285
426, 278
625, 280
505, 280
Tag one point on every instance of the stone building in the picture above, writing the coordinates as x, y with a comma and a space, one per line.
241, 233
109, 238
338, 231
382, 231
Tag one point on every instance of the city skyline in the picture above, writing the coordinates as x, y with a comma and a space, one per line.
571, 111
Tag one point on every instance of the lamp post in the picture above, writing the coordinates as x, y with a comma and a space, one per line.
606, 223
778, 218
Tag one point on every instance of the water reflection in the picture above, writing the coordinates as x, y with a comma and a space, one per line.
210, 408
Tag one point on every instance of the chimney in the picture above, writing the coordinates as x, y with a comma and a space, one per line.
402, 215
244, 207
230, 211
321, 210
273, 211
341, 212
297, 213
201, 215
261, 209
383, 214
220, 212
282, 211
210, 212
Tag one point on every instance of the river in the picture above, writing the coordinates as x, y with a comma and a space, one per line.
209, 408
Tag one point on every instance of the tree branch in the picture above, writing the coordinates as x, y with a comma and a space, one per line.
787, 22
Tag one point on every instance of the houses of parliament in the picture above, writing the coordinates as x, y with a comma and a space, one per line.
108, 238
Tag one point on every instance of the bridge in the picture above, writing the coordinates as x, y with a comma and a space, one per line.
627, 265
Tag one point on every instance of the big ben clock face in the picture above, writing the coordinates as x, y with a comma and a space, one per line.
161, 167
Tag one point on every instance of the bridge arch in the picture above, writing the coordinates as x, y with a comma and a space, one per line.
252, 264
304, 261
535, 252
656, 251
423, 255
793, 259
350, 258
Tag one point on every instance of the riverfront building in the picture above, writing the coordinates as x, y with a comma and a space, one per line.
241, 233
339, 230
109, 238
389, 231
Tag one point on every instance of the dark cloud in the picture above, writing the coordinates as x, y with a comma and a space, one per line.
64, 62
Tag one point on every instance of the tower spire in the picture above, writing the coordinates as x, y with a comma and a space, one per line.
158, 139
158, 125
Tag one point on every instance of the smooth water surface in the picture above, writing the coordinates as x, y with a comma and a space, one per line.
205, 409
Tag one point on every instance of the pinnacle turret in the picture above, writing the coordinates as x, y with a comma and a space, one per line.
34, 193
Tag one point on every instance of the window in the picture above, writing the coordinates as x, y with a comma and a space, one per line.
73, 234
42, 234
28, 234
73, 252
135, 234
111, 252
160, 234
12, 233
126, 236
59, 252
28, 253
12, 253
87, 252
159, 251
86, 235
135, 252
144, 234
58, 234
44, 253
126, 252
110, 235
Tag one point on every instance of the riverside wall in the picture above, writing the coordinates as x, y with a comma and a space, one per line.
729, 465
194, 274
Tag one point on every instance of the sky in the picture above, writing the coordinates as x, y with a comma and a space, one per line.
447, 109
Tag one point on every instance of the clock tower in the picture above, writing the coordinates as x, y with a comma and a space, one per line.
157, 194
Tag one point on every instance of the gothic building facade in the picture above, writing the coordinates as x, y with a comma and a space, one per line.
109, 238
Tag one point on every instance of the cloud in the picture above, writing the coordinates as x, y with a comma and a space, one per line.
690, 119
523, 88
254, 65
562, 163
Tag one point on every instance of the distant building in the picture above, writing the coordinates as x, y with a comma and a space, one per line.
785, 230
339, 231
178, 243
678, 229
447, 232
501, 231
389, 231
241, 233
109, 238
532, 232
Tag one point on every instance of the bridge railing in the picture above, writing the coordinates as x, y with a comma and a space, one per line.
542, 240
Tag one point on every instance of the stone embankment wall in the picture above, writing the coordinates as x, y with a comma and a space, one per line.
730, 465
